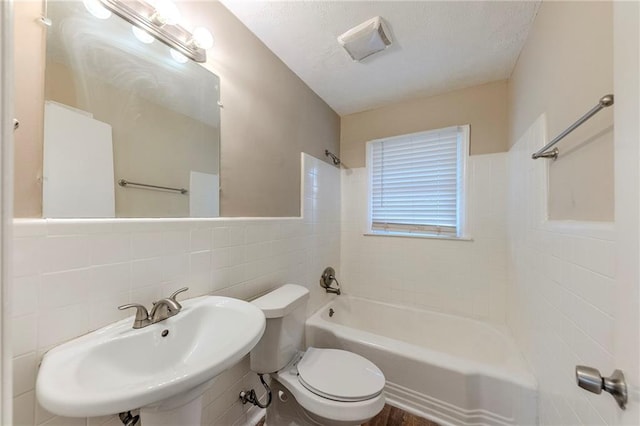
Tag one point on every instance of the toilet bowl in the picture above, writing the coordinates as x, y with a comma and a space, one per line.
328, 387
333, 387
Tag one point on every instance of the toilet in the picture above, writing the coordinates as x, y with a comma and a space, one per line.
328, 387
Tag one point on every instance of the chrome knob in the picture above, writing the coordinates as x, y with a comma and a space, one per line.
590, 379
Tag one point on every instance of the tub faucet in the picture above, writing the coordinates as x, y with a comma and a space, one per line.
327, 278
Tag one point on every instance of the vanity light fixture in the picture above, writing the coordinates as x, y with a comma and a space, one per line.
159, 19
96, 8
166, 12
202, 38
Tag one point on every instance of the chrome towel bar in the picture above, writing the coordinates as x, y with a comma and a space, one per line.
124, 183
604, 102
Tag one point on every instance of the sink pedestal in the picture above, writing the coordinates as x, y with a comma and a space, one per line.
188, 415
184, 409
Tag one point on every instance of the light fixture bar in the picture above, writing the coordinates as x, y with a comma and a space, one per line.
140, 14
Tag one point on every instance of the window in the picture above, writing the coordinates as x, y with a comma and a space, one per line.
416, 183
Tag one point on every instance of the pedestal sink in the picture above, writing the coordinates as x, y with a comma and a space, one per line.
163, 369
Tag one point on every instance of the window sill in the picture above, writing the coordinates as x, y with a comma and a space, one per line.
412, 235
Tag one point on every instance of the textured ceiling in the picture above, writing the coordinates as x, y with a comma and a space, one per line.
437, 45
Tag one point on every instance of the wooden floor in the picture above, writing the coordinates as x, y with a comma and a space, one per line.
391, 416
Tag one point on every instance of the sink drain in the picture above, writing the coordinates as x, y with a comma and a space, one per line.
165, 333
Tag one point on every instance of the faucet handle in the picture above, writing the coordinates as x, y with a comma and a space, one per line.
142, 315
177, 292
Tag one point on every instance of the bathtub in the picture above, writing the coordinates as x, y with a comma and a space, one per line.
449, 369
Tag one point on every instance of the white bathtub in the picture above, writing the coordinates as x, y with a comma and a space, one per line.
453, 370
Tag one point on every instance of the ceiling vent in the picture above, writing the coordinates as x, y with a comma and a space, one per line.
366, 39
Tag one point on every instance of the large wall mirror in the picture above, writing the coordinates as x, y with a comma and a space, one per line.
132, 127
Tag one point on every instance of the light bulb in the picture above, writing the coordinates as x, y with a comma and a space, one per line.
142, 35
167, 13
97, 9
202, 38
178, 57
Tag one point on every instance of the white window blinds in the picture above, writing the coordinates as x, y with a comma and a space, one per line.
416, 182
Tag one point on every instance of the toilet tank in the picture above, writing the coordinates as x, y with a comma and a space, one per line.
285, 310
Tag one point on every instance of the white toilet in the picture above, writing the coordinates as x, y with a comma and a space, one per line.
320, 386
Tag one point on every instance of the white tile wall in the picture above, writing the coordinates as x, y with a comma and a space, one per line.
560, 292
70, 276
461, 277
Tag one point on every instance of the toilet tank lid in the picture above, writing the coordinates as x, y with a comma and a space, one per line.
282, 300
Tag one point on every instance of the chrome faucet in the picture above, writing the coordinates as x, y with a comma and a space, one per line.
162, 309
327, 278
167, 307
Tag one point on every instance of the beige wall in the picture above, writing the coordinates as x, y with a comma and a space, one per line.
483, 107
29, 55
564, 68
269, 116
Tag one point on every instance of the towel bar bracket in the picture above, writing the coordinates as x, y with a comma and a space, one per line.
545, 152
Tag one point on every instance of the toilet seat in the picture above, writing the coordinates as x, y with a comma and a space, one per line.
340, 375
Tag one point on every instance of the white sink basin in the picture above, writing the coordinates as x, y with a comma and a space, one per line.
117, 368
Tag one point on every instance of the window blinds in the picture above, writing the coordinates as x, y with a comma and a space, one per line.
415, 182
